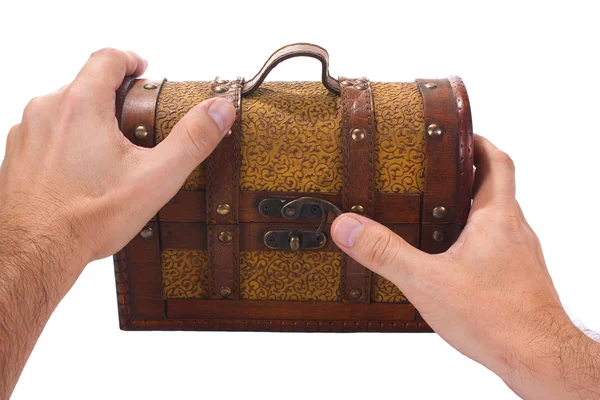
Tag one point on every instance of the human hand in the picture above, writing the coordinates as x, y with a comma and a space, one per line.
490, 295
70, 176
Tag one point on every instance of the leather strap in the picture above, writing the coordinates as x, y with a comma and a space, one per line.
290, 51
136, 107
358, 194
222, 199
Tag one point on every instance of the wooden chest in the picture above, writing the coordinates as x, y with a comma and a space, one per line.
245, 243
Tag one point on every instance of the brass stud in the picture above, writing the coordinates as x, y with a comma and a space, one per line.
355, 294
358, 209
346, 82
225, 291
439, 212
433, 131
290, 211
438, 236
229, 132
295, 242
220, 89
225, 237
221, 81
147, 233
150, 86
140, 132
430, 85
361, 86
223, 209
358, 134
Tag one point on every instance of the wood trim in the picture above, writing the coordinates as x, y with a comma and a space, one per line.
441, 152
358, 190
465, 149
222, 189
276, 325
430, 245
144, 276
192, 235
291, 310
389, 208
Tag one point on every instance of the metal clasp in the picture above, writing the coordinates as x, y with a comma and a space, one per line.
293, 208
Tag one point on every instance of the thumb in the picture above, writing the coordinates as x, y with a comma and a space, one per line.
190, 142
379, 249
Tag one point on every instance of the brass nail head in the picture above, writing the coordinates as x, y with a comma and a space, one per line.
439, 212
225, 237
358, 134
225, 291
140, 132
220, 89
223, 209
433, 131
150, 86
438, 236
430, 85
290, 211
355, 294
147, 233
361, 86
358, 209
346, 82
295, 242
221, 81
229, 132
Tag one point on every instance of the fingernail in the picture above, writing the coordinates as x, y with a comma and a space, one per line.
346, 230
223, 113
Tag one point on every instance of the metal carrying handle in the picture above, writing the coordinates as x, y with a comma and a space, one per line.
290, 51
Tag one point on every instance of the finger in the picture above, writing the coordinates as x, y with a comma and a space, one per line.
190, 142
105, 70
494, 174
379, 249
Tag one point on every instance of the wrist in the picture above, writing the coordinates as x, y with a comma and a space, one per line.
554, 360
39, 240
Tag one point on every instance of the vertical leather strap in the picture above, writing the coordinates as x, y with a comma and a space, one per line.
358, 195
222, 194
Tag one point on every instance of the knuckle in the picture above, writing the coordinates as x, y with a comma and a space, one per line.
107, 52
34, 107
379, 248
504, 159
195, 142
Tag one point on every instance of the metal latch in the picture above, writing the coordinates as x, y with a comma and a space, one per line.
292, 208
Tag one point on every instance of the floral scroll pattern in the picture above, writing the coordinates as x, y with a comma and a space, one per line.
384, 291
290, 276
291, 138
269, 275
400, 138
175, 100
185, 274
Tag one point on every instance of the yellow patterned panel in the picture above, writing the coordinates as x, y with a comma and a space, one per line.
175, 100
185, 274
269, 275
291, 276
291, 139
400, 139
384, 291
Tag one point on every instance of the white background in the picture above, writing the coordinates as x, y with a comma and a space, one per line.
532, 75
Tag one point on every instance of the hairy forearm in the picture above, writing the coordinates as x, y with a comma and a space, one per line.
34, 276
561, 362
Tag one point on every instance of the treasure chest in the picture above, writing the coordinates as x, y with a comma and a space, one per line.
245, 244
